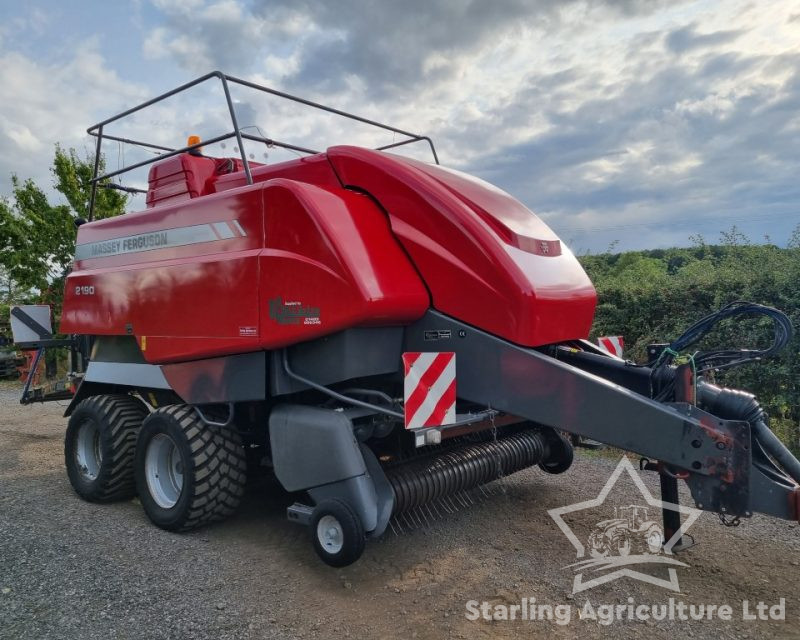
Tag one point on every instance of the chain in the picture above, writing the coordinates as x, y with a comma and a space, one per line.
499, 466
729, 522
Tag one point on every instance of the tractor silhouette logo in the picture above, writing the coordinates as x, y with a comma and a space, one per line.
633, 537
630, 531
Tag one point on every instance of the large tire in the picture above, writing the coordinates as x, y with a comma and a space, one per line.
99, 447
188, 474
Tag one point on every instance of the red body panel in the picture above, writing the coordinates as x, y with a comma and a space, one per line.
215, 267
182, 302
333, 252
485, 258
181, 177
188, 176
311, 169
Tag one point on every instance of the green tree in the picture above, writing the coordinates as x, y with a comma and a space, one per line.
8, 295
794, 239
37, 238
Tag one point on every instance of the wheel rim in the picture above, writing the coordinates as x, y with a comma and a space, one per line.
163, 469
88, 453
330, 534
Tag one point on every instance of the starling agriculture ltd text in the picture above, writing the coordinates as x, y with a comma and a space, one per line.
528, 609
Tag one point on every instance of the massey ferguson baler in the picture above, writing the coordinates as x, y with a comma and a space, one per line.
382, 333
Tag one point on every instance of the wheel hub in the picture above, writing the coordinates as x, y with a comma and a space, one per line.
330, 534
88, 453
164, 471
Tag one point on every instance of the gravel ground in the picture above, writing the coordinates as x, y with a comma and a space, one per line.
70, 569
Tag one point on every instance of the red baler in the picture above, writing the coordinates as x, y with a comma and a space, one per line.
288, 316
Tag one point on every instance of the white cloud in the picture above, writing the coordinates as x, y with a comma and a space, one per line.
22, 136
50, 103
204, 36
596, 114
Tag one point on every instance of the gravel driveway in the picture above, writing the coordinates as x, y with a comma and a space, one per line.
70, 569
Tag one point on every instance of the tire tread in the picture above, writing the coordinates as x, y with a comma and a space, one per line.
122, 416
219, 466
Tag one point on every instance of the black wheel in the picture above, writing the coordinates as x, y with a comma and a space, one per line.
561, 454
337, 533
188, 474
99, 447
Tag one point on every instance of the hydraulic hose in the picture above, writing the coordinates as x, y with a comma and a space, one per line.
731, 404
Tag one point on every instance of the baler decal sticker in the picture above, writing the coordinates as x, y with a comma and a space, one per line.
291, 312
162, 239
429, 389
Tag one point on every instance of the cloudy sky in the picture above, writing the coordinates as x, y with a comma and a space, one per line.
637, 121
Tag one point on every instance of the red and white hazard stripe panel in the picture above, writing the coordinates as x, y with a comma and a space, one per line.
612, 344
430, 389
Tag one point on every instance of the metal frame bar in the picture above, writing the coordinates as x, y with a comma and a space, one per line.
45, 344
137, 143
161, 156
725, 462
416, 139
284, 145
27, 388
238, 133
95, 180
97, 130
119, 187
534, 386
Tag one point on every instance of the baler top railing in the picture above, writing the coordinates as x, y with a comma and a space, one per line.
97, 131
